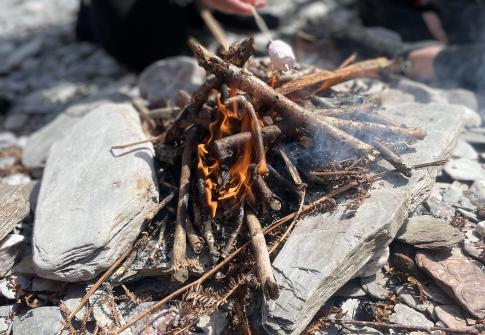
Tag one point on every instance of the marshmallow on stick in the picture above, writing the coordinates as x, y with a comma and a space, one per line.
280, 53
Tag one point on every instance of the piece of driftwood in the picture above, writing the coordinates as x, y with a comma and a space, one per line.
263, 262
180, 273
260, 91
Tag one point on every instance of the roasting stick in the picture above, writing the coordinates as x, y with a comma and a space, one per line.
261, 23
215, 28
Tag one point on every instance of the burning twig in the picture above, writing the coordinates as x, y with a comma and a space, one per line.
180, 273
284, 106
392, 158
237, 54
231, 241
270, 199
205, 219
225, 147
263, 263
255, 131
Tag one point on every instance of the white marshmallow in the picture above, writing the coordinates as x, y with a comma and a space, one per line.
282, 56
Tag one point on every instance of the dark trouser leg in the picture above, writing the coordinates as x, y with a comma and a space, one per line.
139, 32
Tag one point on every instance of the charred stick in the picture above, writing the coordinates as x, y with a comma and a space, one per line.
205, 219
392, 158
414, 167
336, 173
270, 199
361, 128
260, 91
291, 167
263, 262
195, 241
225, 147
256, 134
284, 182
231, 241
180, 273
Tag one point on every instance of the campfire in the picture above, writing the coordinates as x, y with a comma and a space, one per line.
251, 152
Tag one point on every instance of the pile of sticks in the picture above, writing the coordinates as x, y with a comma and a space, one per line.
245, 175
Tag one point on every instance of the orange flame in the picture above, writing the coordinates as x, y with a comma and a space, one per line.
226, 123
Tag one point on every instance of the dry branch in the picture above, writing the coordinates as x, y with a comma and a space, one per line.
260, 91
392, 158
195, 240
180, 273
231, 241
263, 262
329, 79
204, 219
269, 198
364, 129
285, 182
293, 171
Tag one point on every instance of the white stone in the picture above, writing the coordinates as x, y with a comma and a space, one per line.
282, 56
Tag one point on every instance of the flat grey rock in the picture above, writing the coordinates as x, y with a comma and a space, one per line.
39, 143
306, 278
464, 150
480, 229
5, 320
377, 261
162, 80
476, 192
92, 200
14, 207
39, 321
10, 247
375, 285
464, 169
408, 316
474, 136
452, 316
436, 204
427, 232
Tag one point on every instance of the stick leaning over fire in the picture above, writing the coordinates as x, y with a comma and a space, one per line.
261, 92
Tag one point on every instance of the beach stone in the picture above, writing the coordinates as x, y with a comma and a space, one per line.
16, 58
39, 143
462, 97
476, 192
480, 229
41, 284
436, 205
73, 297
464, 169
213, 324
104, 196
454, 193
464, 150
14, 207
377, 261
351, 289
407, 316
39, 321
427, 232
159, 321
10, 247
375, 285
474, 135
452, 317
5, 318
434, 293
410, 297
458, 277
307, 280
162, 80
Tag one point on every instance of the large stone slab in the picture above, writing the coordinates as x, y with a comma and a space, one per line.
14, 206
92, 201
39, 143
331, 248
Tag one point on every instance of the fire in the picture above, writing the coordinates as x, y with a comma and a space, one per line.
227, 122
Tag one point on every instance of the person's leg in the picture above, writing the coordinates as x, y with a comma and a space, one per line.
139, 32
